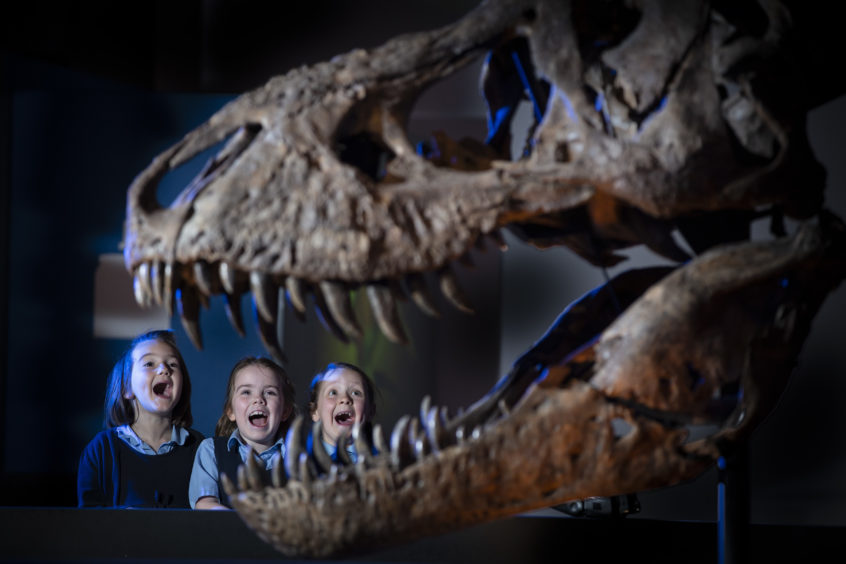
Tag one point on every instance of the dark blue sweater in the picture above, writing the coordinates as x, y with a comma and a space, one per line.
113, 474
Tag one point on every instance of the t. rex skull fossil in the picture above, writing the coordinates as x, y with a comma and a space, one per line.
652, 116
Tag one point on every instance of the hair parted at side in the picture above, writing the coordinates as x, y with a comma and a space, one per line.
118, 410
225, 427
369, 388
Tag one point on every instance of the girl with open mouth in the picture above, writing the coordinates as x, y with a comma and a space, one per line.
257, 411
144, 456
341, 396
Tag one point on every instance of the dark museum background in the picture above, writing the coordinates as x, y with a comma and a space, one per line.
92, 91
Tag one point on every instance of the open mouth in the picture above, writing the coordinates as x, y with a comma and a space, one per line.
162, 389
258, 418
344, 418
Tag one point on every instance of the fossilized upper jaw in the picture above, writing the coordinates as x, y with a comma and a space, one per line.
288, 208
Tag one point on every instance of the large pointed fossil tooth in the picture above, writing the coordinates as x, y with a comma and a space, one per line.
324, 314
452, 291
254, 472
228, 277
264, 295
401, 453
204, 278
341, 452
170, 280
321, 457
142, 274
364, 452
268, 335
280, 316
141, 298
438, 438
425, 405
277, 471
243, 482
188, 304
293, 448
232, 304
385, 311
382, 448
227, 484
156, 281
418, 440
420, 294
295, 290
337, 298
307, 472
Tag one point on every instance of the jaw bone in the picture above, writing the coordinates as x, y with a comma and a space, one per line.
737, 315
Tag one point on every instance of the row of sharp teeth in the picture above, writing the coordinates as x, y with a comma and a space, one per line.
411, 440
186, 288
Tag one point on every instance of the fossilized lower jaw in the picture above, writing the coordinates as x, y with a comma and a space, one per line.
548, 433
184, 288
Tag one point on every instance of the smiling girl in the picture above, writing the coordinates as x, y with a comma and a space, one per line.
339, 397
257, 412
143, 458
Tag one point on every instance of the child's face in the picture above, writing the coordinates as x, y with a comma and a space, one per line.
156, 379
340, 403
257, 406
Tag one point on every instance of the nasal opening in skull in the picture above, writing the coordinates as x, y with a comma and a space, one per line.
184, 181
366, 152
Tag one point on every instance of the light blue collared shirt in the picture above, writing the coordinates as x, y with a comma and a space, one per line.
332, 449
127, 434
205, 478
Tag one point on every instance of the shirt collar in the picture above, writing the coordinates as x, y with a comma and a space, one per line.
178, 435
236, 440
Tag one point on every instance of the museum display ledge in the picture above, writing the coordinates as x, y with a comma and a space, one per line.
121, 535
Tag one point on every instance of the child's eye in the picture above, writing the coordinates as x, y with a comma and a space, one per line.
174, 364
331, 393
147, 364
270, 392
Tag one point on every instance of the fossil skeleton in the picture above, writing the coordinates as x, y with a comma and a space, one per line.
652, 117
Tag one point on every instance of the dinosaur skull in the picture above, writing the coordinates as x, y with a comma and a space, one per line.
651, 116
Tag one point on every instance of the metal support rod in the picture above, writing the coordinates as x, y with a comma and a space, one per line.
733, 506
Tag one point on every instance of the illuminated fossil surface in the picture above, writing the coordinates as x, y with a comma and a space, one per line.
653, 118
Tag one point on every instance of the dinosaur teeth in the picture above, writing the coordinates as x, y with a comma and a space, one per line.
232, 304
254, 472
294, 448
325, 315
227, 277
337, 298
188, 304
384, 306
295, 291
167, 288
277, 473
421, 295
269, 336
264, 295
379, 441
203, 278
324, 461
156, 281
363, 449
141, 285
452, 290
401, 453
141, 298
